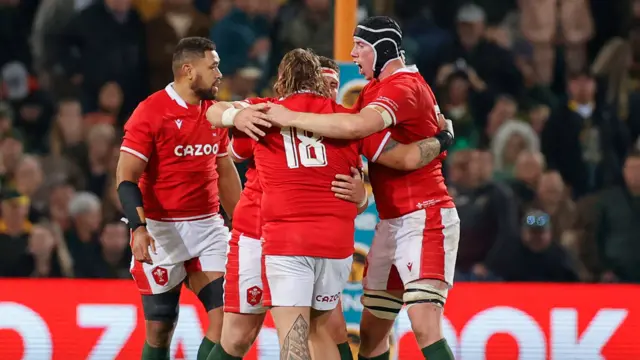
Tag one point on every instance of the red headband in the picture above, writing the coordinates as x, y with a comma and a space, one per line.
330, 73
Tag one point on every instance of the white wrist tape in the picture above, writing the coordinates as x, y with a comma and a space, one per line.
228, 116
363, 202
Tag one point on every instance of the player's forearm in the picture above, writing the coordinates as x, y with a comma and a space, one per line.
335, 126
215, 113
409, 156
229, 186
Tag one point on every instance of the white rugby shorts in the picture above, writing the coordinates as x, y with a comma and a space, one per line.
181, 247
243, 290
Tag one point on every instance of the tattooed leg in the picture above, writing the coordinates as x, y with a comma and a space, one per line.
295, 345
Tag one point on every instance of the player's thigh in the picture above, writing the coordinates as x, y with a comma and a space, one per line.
208, 242
290, 280
167, 270
427, 246
331, 276
243, 290
379, 258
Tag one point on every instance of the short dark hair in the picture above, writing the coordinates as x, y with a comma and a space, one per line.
326, 62
189, 48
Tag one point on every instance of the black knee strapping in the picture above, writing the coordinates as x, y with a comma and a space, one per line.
161, 307
212, 294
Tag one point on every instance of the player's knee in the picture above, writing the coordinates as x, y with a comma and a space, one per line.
211, 295
382, 304
426, 292
238, 340
337, 327
161, 308
158, 333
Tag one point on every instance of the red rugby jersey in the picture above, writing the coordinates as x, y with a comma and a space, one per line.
407, 98
180, 147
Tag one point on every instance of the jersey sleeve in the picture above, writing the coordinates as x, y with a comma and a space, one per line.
371, 146
396, 102
242, 147
139, 134
224, 144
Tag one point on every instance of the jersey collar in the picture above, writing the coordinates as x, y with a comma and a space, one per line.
174, 96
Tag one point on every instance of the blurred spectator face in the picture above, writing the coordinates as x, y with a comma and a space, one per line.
114, 238
582, 89
485, 166
28, 175
69, 119
41, 242
119, 6
317, 5
251, 7
101, 139
470, 33
504, 109
59, 199
363, 55
464, 169
632, 173
458, 91
15, 211
90, 219
550, 188
12, 151
220, 9
528, 167
110, 97
536, 239
515, 145
538, 116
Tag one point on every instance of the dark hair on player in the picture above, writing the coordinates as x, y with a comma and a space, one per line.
188, 49
300, 70
325, 62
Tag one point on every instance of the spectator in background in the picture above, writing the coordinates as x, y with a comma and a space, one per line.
240, 85
618, 214
312, 27
115, 260
526, 174
11, 151
583, 141
29, 182
242, 37
101, 140
487, 216
6, 118
67, 133
554, 200
106, 42
493, 65
49, 256
178, 19
60, 194
504, 109
82, 237
512, 138
15, 228
538, 256
50, 20
109, 106
538, 115
539, 21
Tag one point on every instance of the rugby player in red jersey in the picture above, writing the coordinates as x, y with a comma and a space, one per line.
243, 290
417, 238
297, 231
172, 175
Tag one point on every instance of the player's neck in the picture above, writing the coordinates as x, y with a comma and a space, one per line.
184, 91
391, 68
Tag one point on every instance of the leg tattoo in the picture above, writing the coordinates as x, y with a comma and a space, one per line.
296, 344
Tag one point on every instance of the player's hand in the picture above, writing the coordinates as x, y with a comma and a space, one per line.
445, 124
350, 187
280, 115
141, 244
251, 118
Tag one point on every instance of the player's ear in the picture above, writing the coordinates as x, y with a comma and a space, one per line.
188, 71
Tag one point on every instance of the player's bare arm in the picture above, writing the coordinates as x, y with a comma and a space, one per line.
247, 119
129, 170
336, 126
351, 188
229, 185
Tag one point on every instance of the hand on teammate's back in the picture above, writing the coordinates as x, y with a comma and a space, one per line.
250, 119
140, 245
350, 187
280, 115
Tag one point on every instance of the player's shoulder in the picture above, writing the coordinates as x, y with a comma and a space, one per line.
155, 103
258, 100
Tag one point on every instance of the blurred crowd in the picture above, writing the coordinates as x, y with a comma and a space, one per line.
544, 96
